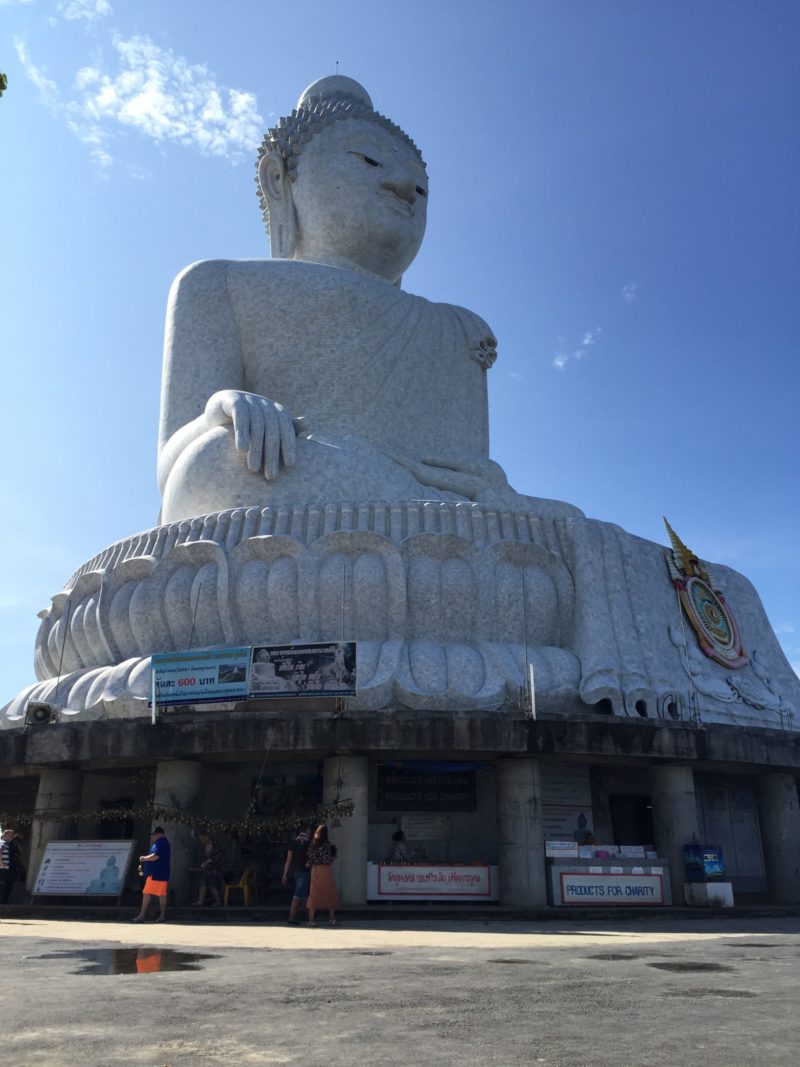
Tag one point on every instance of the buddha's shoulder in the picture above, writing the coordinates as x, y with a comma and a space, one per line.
266, 278
216, 273
270, 274
469, 320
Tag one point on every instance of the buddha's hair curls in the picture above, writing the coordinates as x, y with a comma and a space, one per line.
289, 136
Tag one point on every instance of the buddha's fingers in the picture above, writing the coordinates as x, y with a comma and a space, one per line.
255, 453
288, 449
272, 441
240, 417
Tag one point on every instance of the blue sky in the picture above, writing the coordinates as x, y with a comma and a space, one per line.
613, 188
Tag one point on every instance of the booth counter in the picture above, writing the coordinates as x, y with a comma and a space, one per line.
598, 875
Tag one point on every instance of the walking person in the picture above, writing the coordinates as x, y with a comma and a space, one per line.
323, 892
157, 870
212, 869
296, 860
10, 863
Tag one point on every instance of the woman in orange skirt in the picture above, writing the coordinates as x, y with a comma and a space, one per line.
323, 892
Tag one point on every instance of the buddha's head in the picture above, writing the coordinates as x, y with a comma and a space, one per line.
341, 184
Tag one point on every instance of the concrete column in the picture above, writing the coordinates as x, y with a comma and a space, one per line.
177, 785
58, 791
779, 816
348, 778
520, 833
675, 822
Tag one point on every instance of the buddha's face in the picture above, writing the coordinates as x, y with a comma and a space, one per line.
361, 199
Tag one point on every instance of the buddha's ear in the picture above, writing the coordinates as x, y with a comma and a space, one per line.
277, 191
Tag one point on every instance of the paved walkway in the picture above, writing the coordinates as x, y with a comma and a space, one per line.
413, 993
386, 934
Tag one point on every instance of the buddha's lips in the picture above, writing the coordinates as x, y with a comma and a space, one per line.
405, 207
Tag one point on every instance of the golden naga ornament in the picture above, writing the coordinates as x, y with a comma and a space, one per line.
705, 606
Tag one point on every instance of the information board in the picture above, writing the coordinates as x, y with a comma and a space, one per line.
83, 868
220, 674
320, 670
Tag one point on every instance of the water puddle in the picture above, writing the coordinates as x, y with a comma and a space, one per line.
513, 959
753, 944
366, 952
614, 956
688, 967
690, 994
130, 960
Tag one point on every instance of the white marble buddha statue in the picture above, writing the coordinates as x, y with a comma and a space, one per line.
313, 377
312, 382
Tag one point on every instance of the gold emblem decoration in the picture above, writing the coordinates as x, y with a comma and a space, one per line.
705, 607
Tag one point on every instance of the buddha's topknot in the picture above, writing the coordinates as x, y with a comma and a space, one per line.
323, 103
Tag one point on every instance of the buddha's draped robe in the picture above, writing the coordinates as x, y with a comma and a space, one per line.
352, 355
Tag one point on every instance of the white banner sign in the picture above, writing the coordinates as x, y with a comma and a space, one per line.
83, 868
583, 887
434, 881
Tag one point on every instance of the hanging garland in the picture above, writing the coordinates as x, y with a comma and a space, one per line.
251, 825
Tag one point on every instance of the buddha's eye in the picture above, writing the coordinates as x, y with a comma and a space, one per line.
421, 191
367, 159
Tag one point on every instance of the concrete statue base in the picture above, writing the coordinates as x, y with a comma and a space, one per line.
448, 601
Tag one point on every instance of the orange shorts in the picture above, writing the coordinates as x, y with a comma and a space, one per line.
156, 889
148, 964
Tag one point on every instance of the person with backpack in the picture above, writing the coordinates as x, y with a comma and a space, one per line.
296, 865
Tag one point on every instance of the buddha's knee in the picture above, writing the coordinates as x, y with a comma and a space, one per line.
211, 474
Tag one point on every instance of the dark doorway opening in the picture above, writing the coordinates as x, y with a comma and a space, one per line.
631, 819
119, 828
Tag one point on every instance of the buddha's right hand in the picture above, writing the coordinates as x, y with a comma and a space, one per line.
261, 427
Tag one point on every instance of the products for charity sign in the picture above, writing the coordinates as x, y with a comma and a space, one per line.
582, 887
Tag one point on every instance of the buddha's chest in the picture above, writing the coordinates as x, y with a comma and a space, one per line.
366, 359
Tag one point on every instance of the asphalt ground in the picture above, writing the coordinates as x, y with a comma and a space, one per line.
412, 991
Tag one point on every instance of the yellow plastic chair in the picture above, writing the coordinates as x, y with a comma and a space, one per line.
246, 885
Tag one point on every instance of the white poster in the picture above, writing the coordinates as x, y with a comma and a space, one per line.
567, 802
83, 868
425, 827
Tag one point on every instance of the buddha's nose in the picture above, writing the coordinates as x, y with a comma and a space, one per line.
402, 186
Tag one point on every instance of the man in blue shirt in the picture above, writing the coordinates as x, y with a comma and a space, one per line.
158, 872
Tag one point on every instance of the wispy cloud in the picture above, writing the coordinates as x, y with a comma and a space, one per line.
563, 354
783, 628
795, 665
91, 10
630, 292
515, 376
157, 93
11, 3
